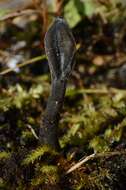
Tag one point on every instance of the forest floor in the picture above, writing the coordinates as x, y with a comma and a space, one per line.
93, 119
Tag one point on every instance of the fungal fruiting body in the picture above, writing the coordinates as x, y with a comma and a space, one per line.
60, 50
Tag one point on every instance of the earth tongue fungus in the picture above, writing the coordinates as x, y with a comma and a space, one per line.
60, 50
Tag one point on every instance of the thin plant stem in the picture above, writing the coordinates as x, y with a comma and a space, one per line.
28, 62
93, 156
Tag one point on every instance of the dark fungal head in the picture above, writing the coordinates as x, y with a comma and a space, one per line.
60, 49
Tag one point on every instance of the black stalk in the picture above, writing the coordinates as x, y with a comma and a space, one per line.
60, 50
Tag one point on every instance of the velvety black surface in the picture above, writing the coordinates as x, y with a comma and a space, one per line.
60, 50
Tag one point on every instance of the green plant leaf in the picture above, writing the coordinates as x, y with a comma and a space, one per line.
4, 155
36, 154
99, 144
73, 12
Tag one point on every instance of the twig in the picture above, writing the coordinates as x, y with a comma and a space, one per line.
35, 59
19, 13
22, 13
77, 165
33, 131
58, 7
95, 91
92, 156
